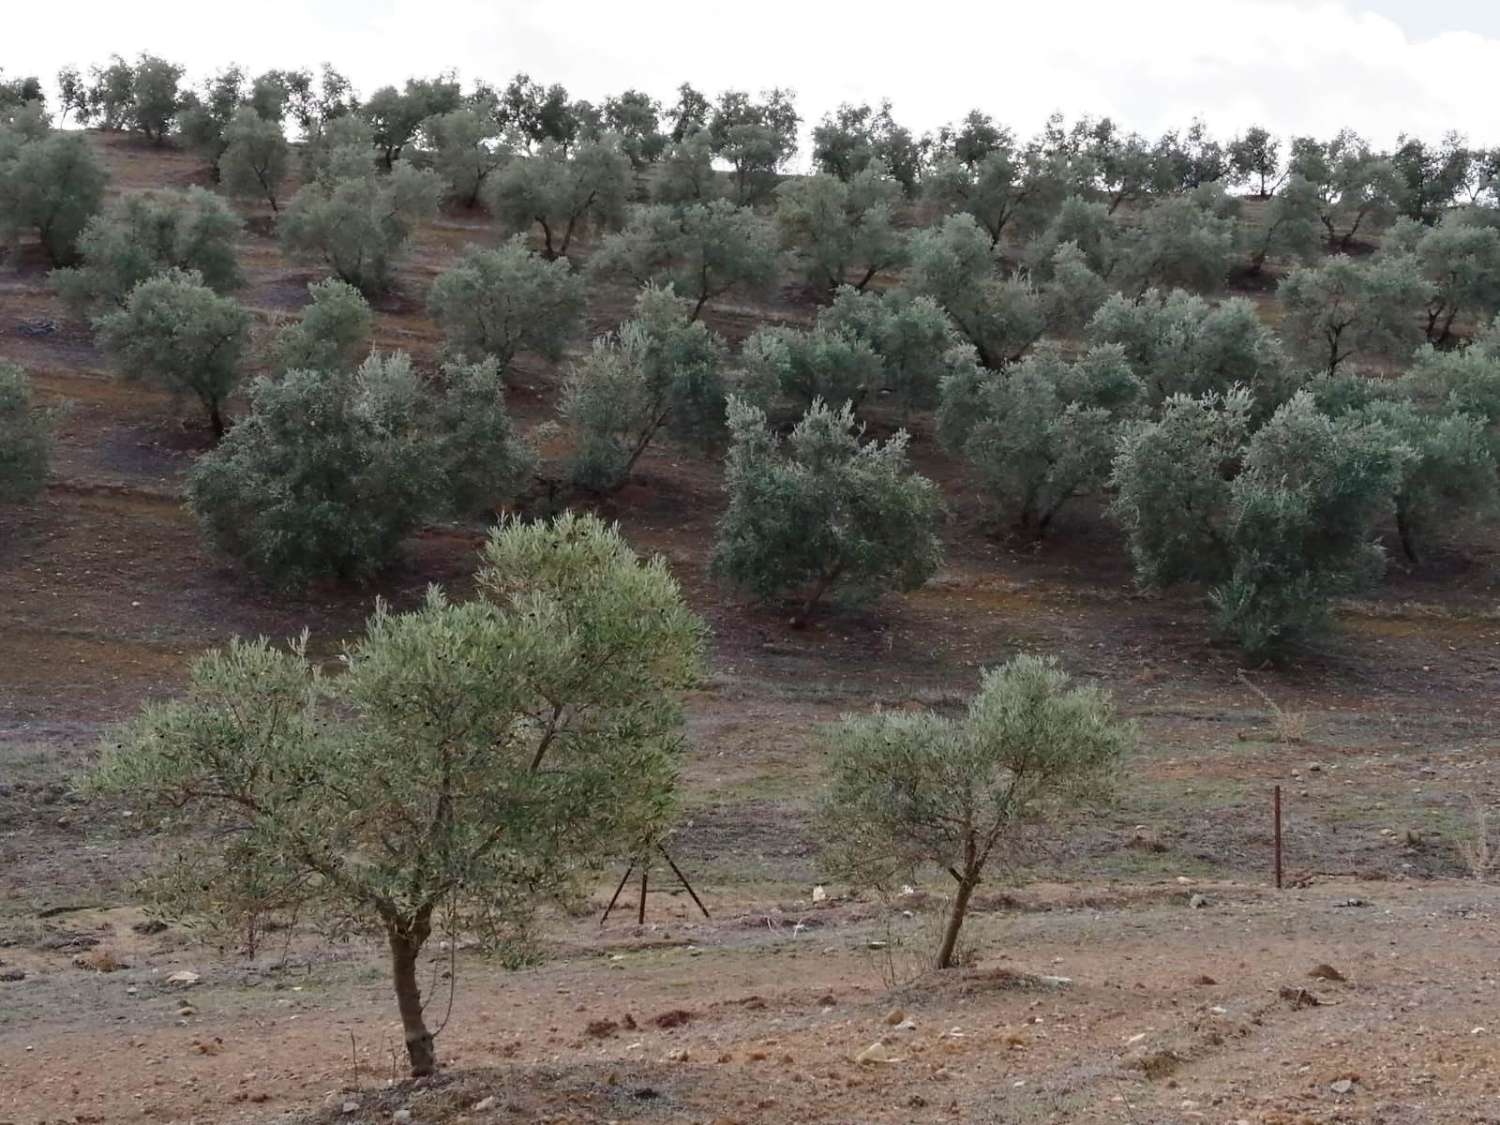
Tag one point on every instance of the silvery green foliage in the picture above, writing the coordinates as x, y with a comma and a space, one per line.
755, 139
1255, 160
202, 119
1346, 310
472, 761
823, 512
662, 371
1071, 291
51, 185
145, 233
1275, 524
1357, 188
1184, 241
914, 791
686, 173
1290, 227
954, 265
842, 230
1010, 187
857, 137
821, 364
396, 115
1087, 225
332, 334
702, 250
917, 344
635, 118
1179, 343
338, 148
466, 151
562, 193
1460, 257
330, 470
358, 226
1466, 381
155, 99
25, 437
507, 300
177, 333
255, 157
1042, 432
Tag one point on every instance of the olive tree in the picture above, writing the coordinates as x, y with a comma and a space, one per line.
662, 372
177, 333
466, 152
686, 173
917, 344
954, 265
142, 234
1041, 433
1275, 525
1255, 158
561, 193
1461, 259
1346, 309
913, 790
471, 760
255, 157
1184, 241
856, 137
1179, 343
358, 226
1357, 187
507, 300
51, 185
756, 138
332, 333
25, 437
155, 98
330, 470
842, 227
808, 366
396, 115
702, 250
1290, 226
1007, 188
203, 119
823, 511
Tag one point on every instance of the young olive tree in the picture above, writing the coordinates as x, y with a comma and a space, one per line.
1461, 259
663, 371
822, 511
178, 334
466, 152
332, 334
1255, 159
25, 437
330, 470
1346, 309
503, 301
561, 193
471, 760
142, 234
702, 250
1042, 432
255, 157
821, 364
907, 791
358, 226
1184, 241
842, 227
51, 184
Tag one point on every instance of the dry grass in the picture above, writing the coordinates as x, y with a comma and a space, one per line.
1475, 848
1289, 727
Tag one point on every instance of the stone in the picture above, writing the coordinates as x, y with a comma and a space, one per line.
1198, 902
351, 1106
483, 1105
401, 1117
819, 894
1342, 1086
875, 1054
894, 1016
185, 978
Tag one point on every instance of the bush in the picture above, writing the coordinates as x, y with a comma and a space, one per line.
561, 193
25, 438
358, 226
255, 157
661, 372
908, 791
917, 344
330, 470
52, 185
1041, 433
823, 364
332, 334
823, 512
417, 790
503, 301
702, 250
142, 234
179, 334
842, 227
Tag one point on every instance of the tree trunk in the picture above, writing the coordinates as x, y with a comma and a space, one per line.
419, 1045
956, 921
1403, 529
216, 420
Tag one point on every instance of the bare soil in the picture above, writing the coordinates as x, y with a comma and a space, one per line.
1168, 1012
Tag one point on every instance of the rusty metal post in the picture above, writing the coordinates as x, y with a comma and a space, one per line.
1277, 807
640, 918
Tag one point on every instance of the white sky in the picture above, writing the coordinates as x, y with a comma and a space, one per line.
1297, 66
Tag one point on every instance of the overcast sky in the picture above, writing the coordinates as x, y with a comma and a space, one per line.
1297, 66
